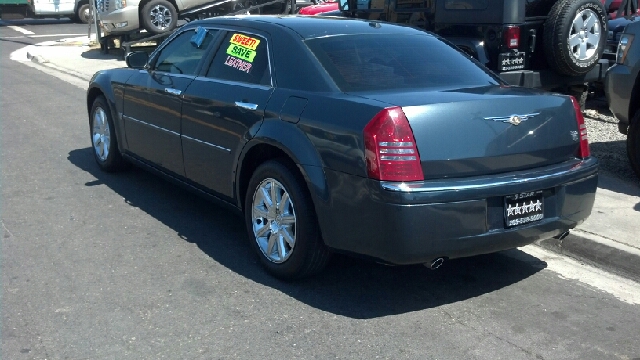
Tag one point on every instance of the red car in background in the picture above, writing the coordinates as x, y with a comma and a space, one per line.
613, 7
319, 8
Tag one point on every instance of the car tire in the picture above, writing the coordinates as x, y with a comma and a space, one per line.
575, 35
633, 144
293, 218
159, 16
83, 14
103, 137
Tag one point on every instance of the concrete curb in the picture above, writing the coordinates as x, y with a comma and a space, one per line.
598, 251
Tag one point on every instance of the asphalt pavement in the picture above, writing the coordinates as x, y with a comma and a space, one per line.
116, 266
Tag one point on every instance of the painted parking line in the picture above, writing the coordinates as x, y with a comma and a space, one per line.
21, 30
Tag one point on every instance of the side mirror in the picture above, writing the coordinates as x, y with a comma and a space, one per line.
137, 59
343, 5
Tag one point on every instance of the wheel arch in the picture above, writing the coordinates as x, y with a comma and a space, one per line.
94, 92
272, 142
79, 4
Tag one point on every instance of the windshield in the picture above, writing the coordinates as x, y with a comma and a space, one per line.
366, 62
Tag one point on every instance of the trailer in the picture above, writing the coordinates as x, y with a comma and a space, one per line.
139, 37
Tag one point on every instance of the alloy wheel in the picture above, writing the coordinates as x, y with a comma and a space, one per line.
101, 134
160, 17
274, 220
584, 36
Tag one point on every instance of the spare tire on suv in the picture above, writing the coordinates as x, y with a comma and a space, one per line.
575, 35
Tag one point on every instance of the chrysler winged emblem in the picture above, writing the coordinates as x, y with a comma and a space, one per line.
513, 119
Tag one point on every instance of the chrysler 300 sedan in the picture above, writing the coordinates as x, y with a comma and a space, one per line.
341, 135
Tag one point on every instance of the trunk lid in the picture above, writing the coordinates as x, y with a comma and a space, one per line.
466, 132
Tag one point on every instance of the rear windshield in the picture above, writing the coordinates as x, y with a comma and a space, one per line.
396, 61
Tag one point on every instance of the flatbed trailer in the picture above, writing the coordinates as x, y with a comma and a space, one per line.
211, 9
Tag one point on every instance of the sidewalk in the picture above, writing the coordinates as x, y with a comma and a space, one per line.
608, 239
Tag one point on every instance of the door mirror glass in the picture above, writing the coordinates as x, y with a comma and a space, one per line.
344, 5
137, 59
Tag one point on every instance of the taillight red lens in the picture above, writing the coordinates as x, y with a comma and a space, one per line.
583, 151
512, 37
390, 148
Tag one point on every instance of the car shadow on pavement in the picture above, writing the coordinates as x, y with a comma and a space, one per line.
97, 54
349, 286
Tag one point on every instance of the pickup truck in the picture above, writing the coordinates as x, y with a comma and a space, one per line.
77, 10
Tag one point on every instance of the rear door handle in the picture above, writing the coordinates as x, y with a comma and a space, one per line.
248, 106
173, 91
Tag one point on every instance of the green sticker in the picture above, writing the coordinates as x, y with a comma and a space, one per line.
241, 52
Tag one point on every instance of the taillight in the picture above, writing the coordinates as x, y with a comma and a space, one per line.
390, 148
583, 151
512, 36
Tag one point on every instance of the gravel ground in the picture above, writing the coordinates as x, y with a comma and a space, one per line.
606, 142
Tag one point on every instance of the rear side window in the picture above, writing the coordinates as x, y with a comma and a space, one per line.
395, 61
242, 57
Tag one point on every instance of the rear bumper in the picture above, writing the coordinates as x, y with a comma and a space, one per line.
417, 222
548, 79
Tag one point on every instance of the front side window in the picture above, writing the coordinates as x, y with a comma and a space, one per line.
183, 53
242, 57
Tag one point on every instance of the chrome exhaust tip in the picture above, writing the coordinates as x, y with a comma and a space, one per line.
435, 263
562, 236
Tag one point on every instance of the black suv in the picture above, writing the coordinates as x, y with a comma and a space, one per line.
550, 44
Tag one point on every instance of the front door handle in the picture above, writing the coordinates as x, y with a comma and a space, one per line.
173, 91
248, 106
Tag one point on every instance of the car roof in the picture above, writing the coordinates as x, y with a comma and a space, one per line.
309, 27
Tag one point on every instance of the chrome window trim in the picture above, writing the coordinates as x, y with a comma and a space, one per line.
481, 182
150, 125
236, 83
206, 143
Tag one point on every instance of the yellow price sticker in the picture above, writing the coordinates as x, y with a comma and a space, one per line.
241, 52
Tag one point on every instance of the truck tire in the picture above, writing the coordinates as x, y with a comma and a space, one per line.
575, 35
159, 16
83, 14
